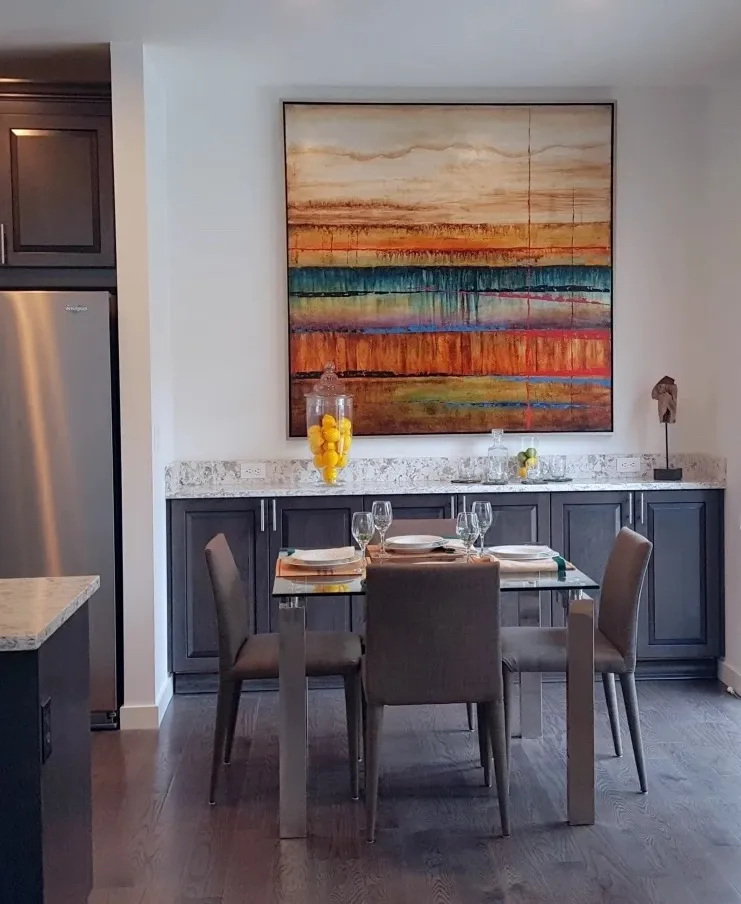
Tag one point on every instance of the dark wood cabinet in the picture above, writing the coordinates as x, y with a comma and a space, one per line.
193, 522
56, 186
681, 606
424, 505
298, 522
583, 529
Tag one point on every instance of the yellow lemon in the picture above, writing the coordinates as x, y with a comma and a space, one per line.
347, 442
318, 461
330, 447
330, 459
342, 462
522, 472
329, 421
345, 425
314, 430
331, 434
315, 444
330, 475
531, 462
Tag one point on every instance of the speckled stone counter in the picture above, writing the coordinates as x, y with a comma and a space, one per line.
32, 609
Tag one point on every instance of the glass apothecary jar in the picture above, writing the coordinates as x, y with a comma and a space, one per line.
329, 425
497, 459
528, 462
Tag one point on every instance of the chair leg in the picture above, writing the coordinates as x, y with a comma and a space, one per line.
484, 745
223, 701
361, 719
628, 684
469, 714
509, 702
495, 721
608, 680
372, 747
352, 714
231, 725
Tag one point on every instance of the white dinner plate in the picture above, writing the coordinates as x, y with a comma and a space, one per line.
412, 543
325, 558
522, 553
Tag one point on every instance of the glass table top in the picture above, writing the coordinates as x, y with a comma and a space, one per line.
355, 586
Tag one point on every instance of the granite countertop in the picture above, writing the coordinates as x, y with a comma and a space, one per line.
32, 609
262, 488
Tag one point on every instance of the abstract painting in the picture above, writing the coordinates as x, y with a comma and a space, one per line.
454, 261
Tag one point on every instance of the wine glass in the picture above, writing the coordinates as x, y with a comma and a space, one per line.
382, 518
485, 516
363, 528
467, 529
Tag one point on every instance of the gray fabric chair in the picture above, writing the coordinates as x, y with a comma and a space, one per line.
441, 527
244, 655
430, 631
544, 649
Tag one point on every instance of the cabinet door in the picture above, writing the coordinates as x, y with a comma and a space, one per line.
680, 612
307, 523
192, 524
412, 506
56, 190
583, 529
518, 518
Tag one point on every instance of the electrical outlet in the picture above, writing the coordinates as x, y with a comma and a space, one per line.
252, 470
629, 465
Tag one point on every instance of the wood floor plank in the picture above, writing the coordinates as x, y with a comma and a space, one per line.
157, 839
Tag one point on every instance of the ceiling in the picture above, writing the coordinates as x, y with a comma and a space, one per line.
496, 42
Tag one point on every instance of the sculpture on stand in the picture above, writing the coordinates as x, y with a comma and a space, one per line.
665, 393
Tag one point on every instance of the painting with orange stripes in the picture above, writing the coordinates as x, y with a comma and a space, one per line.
454, 261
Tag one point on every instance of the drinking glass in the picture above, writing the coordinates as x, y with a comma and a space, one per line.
382, 518
363, 528
558, 467
467, 528
485, 516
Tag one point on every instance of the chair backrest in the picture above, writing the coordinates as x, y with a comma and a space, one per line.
432, 633
437, 527
621, 592
232, 607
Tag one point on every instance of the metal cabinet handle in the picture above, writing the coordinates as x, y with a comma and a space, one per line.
643, 510
452, 506
465, 503
630, 509
2, 244
262, 515
275, 515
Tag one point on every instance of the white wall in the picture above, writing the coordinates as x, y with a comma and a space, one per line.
722, 339
225, 174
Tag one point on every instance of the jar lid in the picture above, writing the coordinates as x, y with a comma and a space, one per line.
329, 385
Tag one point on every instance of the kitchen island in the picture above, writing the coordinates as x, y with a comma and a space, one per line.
45, 827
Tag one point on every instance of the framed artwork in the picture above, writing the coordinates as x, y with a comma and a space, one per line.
454, 261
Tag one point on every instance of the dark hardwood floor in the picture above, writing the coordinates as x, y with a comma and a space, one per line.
157, 841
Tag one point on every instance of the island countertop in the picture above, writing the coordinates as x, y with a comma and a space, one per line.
262, 488
32, 609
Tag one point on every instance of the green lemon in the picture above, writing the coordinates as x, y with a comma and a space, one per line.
531, 453
521, 458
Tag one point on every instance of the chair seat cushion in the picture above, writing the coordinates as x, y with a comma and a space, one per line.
544, 650
327, 653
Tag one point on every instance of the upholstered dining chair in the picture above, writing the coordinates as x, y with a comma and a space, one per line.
440, 527
544, 649
430, 632
244, 655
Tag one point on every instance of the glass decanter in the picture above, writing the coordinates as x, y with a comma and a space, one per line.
497, 459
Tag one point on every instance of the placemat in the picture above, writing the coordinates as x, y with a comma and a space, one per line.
374, 555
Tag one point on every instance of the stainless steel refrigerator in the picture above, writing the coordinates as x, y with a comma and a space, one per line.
59, 491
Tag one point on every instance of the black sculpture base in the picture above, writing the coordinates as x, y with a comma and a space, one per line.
667, 473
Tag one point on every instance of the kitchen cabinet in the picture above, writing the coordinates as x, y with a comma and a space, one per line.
433, 505
298, 522
56, 184
192, 524
682, 601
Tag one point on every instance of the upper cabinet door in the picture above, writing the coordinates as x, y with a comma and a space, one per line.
56, 190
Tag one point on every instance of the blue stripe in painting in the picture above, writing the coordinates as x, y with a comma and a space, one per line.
510, 405
452, 328
591, 381
320, 281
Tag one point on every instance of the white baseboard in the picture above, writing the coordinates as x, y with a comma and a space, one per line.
730, 676
147, 716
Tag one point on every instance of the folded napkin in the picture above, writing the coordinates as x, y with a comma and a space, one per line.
284, 569
338, 552
533, 566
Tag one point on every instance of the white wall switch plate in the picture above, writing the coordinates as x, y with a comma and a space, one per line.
629, 464
252, 470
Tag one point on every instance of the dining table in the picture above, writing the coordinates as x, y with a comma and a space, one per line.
296, 592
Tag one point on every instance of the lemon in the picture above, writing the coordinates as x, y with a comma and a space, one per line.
531, 462
315, 444
319, 461
331, 434
330, 447
522, 472
330, 475
342, 462
330, 459
347, 442
314, 430
328, 421
345, 425
531, 453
